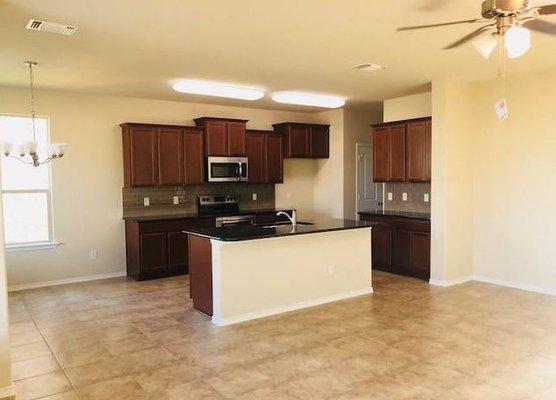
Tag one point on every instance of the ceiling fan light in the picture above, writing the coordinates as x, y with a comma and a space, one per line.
485, 44
518, 41
217, 89
308, 99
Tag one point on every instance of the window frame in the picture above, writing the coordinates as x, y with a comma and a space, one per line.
50, 243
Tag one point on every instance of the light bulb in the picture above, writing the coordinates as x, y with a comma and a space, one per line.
7, 148
57, 149
31, 147
485, 44
518, 41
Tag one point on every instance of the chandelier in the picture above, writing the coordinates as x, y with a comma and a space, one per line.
26, 152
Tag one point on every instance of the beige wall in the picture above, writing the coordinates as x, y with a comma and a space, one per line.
357, 129
6, 388
87, 182
408, 107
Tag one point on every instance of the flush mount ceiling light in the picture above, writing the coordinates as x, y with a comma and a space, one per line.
308, 99
370, 67
217, 89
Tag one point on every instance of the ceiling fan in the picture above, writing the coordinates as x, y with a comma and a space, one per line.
508, 20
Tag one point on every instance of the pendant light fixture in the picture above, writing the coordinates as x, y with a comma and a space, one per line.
26, 152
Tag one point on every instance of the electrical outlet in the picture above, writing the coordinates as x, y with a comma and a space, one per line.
93, 254
404, 196
390, 196
146, 201
254, 196
176, 200
426, 198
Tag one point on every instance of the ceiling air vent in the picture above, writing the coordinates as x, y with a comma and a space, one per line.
369, 67
52, 27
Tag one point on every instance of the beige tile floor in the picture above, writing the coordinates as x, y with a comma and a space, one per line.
120, 339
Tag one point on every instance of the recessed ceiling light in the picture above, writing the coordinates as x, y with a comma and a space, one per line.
217, 89
308, 99
370, 67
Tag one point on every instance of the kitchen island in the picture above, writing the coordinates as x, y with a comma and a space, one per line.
246, 272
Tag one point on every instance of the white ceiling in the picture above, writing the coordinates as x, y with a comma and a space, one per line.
138, 47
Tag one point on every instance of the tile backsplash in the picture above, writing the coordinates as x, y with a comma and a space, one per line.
415, 196
162, 198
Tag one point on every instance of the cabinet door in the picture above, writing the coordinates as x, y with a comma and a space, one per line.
420, 254
381, 154
170, 156
194, 159
319, 138
274, 159
382, 247
416, 143
236, 138
177, 253
400, 250
154, 254
216, 138
397, 153
143, 152
298, 142
255, 146
427, 152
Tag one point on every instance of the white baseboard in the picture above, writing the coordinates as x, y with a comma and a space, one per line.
290, 307
7, 391
77, 279
514, 285
453, 282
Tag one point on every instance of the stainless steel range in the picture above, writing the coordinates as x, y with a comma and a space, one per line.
223, 207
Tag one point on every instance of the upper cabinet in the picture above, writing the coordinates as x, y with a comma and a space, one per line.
161, 155
304, 140
402, 151
265, 155
223, 137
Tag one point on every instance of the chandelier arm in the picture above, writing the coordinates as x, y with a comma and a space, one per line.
20, 159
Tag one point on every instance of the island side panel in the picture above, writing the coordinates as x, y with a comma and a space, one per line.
258, 278
200, 273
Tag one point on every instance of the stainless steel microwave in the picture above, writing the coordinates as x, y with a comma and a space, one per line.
227, 169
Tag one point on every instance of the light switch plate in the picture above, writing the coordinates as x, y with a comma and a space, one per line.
254, 196
426, 198
146, 201
390, 196
176, 200
404, 196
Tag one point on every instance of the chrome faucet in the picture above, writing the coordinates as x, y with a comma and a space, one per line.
293, 218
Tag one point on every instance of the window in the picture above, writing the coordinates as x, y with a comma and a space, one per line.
26, 196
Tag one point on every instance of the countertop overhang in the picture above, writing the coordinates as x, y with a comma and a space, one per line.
252, 232
393, 213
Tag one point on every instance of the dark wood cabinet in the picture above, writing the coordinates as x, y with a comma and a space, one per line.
193, 156
157, 249
170, 156
419, 151
256, 155
264, 152
162, 155
400, 245
223, 136
140, 155
304, 140
274, 148
200, 260
402, 151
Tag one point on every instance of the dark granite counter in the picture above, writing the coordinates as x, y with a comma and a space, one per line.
403, 214
249, 232
160, 215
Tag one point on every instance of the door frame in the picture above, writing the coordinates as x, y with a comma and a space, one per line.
358, 145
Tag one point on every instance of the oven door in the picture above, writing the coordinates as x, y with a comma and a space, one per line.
227, 169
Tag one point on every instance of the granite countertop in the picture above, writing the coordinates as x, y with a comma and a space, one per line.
143, 215
393, 213
249, 232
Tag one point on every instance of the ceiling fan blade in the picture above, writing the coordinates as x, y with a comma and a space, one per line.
431, 5
468, 37
469, 21
541, 26
547, 10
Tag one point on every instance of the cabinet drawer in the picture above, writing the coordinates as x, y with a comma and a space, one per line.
174, 225
408, 224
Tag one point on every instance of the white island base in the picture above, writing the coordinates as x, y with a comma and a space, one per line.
258, 278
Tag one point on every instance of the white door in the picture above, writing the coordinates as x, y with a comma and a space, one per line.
369, 193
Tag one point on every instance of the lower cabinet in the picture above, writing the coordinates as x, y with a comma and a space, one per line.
400, 245
157, 249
